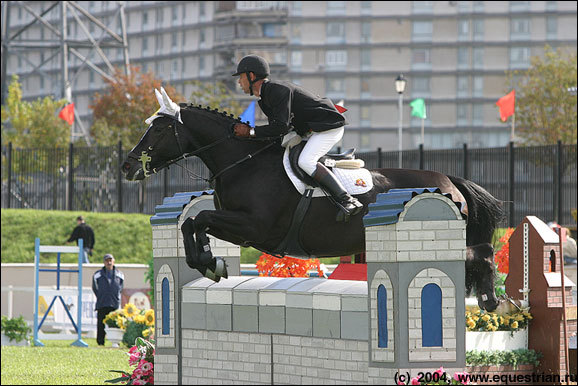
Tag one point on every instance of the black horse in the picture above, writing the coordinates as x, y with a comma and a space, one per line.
255, 201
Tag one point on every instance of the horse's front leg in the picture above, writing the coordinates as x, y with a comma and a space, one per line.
235, 227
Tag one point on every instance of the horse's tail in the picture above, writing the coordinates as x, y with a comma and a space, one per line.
484, 211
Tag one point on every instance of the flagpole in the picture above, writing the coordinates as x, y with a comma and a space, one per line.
422, 132
513, 127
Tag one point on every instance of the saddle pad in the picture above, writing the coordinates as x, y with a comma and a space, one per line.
355, 181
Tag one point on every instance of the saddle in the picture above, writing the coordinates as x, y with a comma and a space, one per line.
329, 160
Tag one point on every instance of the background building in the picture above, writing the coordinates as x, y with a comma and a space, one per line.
454, 54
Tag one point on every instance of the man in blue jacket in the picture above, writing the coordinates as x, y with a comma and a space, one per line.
107, 284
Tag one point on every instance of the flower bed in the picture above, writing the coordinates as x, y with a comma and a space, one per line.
133, 322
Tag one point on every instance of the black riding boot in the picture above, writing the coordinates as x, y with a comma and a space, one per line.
350, 205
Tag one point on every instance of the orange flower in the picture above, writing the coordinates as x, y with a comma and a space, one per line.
502, 257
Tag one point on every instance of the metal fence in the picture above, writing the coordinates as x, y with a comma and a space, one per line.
538, 181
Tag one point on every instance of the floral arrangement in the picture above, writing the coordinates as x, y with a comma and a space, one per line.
115, 319
502, 257
481, 320
133, 321
142, 356
15, 328
268, 265
438, 377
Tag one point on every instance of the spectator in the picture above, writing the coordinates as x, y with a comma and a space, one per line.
83, 231
107, 284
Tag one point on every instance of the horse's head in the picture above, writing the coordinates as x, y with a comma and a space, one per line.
480, 275
159, 145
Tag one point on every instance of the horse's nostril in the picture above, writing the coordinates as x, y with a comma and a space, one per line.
125, 167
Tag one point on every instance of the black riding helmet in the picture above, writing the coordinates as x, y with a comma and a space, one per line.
255, 64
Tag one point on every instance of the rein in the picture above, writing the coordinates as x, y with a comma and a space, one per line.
144, 158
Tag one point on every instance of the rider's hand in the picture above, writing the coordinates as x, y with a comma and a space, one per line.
242, 130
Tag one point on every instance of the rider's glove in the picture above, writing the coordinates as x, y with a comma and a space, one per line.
242, 130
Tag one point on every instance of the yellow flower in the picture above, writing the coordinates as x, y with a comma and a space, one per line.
150, 317
121, 322
486, 317
514, 324
489, 326
139, 319
130, 310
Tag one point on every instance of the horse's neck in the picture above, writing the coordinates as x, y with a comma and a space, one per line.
207, 128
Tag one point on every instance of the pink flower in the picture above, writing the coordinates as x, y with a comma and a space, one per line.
146, 366
415, 381
139, 382
440, 371
133, 359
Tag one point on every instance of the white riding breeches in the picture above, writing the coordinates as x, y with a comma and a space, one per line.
318, 144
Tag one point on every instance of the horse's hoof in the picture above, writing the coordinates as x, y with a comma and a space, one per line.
221, 267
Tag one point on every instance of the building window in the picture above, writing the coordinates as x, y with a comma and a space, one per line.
160, 17
420, 86
519, 5
366, 7
272, 30
478, 57
422, 30
175, 70
335, 87
296, 33
201, 38
420, 59
478, 114
463, 84
431, 316
202, 10
296, 8
519, 57
201, 65
463, 57
365, 59
336, 59
175, 13
166, 304
365, 116
381, 316
422, 6
462, 114
145, 19
145, 45
158, 44
551, 6
479, 29
336, 7
519, 28
296, 59
478, 86
463, 30
174, 43
90, 79
336, 32
551, 27
366, 32
365, 89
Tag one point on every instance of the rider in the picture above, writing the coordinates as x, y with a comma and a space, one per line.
291, 107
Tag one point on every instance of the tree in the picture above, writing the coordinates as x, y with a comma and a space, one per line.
119, 113
215, 95
545, 110
33, 124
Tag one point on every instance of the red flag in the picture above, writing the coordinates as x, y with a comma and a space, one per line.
506, 105
67, 113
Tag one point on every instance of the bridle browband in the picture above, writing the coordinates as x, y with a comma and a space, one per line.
145, 158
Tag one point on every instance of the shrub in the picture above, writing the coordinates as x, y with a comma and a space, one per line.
16, 328
497, 357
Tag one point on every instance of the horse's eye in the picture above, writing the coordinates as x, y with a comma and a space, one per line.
170, 126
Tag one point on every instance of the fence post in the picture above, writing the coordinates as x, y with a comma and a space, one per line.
559, 173
165, 182
10, 175
70, 191
421, 160
466, 163
119, 179
379, 158
511, 194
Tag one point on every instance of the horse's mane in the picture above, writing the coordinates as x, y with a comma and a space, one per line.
219, 114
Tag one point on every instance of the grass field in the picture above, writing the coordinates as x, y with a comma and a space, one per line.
58, 363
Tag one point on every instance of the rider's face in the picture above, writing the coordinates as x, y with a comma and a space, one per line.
244, 83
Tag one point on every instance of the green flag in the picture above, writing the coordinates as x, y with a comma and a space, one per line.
418, 108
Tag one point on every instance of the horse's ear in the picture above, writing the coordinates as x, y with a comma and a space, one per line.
159, 98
